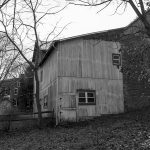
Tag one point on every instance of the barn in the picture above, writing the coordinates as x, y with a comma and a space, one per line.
80, 77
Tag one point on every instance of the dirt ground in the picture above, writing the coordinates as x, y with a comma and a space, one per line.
130, 131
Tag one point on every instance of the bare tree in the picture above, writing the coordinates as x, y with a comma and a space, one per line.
3, 3
140, 7
9, 61
22, 27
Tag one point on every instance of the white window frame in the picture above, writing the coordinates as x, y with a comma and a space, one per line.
86, 97
116, 59
15, 91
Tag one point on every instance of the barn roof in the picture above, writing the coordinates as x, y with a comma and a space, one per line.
110, 35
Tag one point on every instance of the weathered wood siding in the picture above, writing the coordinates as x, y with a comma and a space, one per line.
109, 95
87, 64
88, 58
48, 87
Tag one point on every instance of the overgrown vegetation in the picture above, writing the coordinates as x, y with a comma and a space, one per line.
136, 63
115, 132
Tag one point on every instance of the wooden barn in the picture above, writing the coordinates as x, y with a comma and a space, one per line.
80, 77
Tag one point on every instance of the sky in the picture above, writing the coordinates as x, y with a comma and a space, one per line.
82, 20
77, 20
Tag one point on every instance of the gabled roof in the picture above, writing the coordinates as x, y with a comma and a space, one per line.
111, 35
49, 51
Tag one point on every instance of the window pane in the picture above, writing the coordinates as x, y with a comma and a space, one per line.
81, 94
14, 102
116, 61
116, 57
91, 100
82, 100
15, 91
90, 94
45, 101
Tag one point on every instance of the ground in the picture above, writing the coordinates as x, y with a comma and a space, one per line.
130, 131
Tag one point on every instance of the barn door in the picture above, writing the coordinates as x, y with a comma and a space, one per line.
67, 108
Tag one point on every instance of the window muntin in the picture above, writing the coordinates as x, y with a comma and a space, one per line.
86, 97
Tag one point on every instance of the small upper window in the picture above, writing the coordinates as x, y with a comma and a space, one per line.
15, 91
116, 59
86, 97
45, 102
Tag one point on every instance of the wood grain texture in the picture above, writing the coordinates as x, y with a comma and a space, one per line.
88, 58
109, 94
82, 64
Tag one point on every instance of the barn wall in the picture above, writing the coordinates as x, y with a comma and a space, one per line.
49, 70
50, 91
109, 95
88, 58
48, 87
87, 64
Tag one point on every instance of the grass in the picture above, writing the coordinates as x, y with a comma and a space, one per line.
130, 131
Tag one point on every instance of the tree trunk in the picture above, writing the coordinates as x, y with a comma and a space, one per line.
37, 97
147, 27
142, 15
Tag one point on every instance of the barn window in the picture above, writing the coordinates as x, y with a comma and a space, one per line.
15, 91
45, 105
15, 103
86, 97
116, 59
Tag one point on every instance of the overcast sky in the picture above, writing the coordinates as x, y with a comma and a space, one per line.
80, 20
86, 19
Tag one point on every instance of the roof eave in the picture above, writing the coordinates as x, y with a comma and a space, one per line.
49, 51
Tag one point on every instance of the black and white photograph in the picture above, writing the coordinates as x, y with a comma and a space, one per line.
74, 74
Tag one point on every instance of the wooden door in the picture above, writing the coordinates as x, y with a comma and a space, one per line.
67, 108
